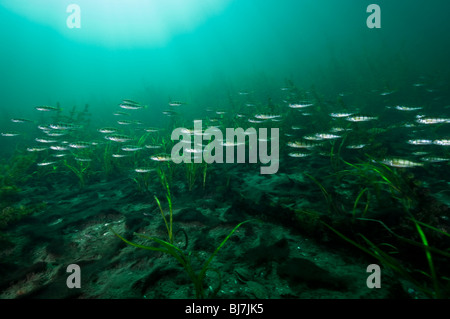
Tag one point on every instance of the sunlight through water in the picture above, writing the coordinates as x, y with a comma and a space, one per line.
120, 23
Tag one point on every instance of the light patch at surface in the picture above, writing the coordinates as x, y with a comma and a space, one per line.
121, 22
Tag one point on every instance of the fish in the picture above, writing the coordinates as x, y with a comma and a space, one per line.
161, 158
120, 114
83, 159
355, 146
46, 108
361, 118
169, 113
56, 222
432, 120
152, 129
153, 146
131, 105
255, 121
435, 159
267, 116
119, 155
44, 127
54, 134
400, 163
43, 140
64, 126
36, 149
389, 92
176, 103
118, 138
420, 142
193, 150
442, 142
312, 137
144, 170
131, 148
200, 133
59, 155
107, 130
59, 148
407, 108
301, 144
129, 101
17, 120
10, 134
186, 131
80, 145
327, 136
409, 125
298, 154
128, 122
339, 129
340, 115
300, 105
231, 144
47, 163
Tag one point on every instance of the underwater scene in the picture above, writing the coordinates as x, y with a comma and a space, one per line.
227, 149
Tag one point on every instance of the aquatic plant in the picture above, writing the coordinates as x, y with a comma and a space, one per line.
197, 276
166, 171
335, 155
168, 247
205, 169
376, 178
169, 225
18, 170
193, 170
12, 214
376, 181
431, 284
332, 203
308, 220
143, 181
7, 194
143, 139
80, 172
358, 198
107, 160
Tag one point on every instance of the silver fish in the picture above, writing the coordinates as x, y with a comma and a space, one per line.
420, 142
46, 108
143, 170
360, 118
10, 134
399, 162
118, 138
